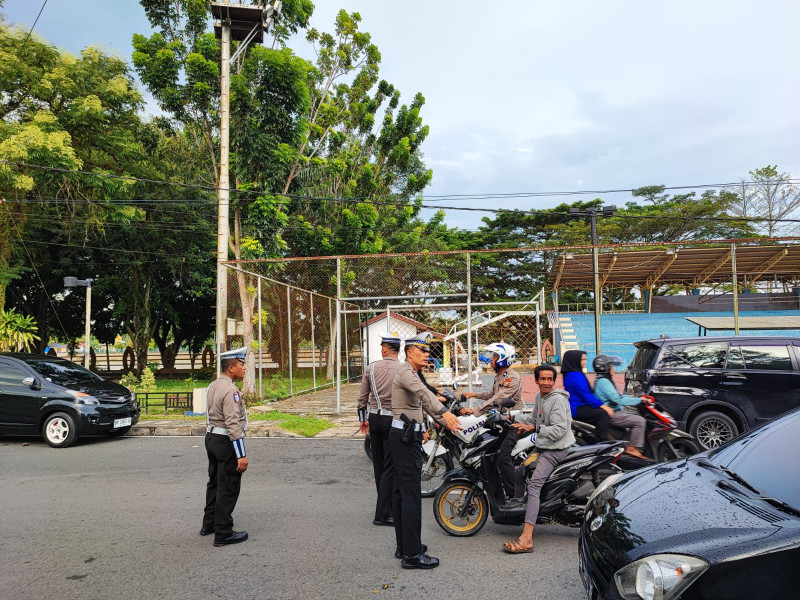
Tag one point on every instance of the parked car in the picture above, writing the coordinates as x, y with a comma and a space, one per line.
60, 400
717, 387
723, 524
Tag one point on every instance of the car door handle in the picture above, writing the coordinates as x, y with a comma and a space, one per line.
733, 376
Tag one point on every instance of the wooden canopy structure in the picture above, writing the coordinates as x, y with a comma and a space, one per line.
706, 324
690, 267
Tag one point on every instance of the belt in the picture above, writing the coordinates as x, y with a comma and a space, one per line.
400, 425
380, 411
218, 430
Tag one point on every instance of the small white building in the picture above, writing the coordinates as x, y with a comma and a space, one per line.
405, 327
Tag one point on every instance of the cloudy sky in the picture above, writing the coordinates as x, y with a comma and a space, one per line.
532, 96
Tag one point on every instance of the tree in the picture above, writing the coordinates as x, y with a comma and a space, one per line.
771, 196
16, 331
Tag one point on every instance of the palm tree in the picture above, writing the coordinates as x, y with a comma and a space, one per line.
16, 331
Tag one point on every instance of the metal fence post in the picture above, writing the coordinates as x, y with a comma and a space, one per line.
735, 291
469, 324
260, 349
338, 335
289, 319
313, 345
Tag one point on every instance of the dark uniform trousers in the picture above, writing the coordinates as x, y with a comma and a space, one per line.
224, 482
407, 493
382, 463
504, 463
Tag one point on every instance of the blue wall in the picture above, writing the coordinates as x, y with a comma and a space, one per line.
619, 331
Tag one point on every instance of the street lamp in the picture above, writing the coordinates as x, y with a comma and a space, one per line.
592, 213
71, 282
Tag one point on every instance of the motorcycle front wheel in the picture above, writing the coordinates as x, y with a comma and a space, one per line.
433, 478
448, 503
683, 447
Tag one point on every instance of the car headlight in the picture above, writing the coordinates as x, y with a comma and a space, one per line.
83, 398
658, 577
606, 483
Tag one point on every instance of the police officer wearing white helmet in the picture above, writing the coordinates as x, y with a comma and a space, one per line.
507, 385
227, 456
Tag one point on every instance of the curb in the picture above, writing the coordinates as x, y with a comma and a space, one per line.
145, 429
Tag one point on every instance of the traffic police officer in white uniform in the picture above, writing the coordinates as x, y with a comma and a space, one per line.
375, 399
227, 456
409, 398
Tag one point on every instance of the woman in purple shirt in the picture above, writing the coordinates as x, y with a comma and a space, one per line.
584, 405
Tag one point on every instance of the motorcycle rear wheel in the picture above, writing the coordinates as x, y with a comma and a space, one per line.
683, 447
447, 503
432, 481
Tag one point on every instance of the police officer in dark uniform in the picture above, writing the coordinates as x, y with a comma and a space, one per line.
375, 400
227, 457
409, 398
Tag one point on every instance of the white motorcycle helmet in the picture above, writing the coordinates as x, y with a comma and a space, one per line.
505, 354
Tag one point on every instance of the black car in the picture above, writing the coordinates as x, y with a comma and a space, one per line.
60, 400
721, 525
718, 387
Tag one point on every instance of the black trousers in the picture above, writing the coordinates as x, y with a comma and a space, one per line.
504, 464
382, 463
224, 482
407, 493
594, 416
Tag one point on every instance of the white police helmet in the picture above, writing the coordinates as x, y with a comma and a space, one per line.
505, 354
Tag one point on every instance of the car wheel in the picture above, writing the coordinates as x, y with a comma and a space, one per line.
119, 432
59, 430
712, 429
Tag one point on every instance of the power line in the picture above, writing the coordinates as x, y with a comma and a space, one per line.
372, 199
30, 31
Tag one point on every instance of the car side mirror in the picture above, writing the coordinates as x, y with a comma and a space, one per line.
30, 382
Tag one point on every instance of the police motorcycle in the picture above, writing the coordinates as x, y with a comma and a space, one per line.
441, 451
473, 491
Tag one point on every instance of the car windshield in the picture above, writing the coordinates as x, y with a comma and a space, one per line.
765, 458
62, 372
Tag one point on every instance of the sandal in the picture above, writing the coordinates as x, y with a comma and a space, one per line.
515, 547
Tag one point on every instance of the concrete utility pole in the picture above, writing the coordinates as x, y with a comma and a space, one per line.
71, 282
223, 189
606, 211
244, 23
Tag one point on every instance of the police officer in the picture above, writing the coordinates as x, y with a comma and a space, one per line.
507, 385
227, 457
409, 398
376, 392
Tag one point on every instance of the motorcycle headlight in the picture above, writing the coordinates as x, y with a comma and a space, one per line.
82, 398
658, 577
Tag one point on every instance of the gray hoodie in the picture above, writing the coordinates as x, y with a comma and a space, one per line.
553, 420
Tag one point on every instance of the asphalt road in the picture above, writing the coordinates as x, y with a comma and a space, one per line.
120, 518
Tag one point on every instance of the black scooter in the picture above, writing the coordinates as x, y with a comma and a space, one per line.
473, 491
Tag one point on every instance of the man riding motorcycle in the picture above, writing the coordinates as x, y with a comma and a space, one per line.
507, 385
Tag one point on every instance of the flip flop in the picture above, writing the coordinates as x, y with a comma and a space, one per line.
509, 547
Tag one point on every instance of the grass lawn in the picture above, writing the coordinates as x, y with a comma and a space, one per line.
305, 426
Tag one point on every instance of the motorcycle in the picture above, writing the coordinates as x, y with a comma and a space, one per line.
663, 440
472, 492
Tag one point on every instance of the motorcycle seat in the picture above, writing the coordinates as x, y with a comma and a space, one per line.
578, 451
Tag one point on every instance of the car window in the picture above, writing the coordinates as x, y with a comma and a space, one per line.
694, 356
12, 375
735, 360
766, 358
753, 457
62, 372
643, 359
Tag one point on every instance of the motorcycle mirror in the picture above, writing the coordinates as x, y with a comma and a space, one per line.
455, 386
508, 403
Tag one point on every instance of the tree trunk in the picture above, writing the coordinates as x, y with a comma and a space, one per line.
247, 299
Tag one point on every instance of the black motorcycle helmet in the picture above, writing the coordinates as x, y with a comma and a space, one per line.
602, 364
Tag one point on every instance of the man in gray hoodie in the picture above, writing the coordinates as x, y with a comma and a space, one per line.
552, 422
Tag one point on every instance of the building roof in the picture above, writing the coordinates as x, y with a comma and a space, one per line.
418, 324
691, 267
748, 322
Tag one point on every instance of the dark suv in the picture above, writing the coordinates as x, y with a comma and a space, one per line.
60, 400
717, 387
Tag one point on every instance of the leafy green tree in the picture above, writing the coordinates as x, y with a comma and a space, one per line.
17, 332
